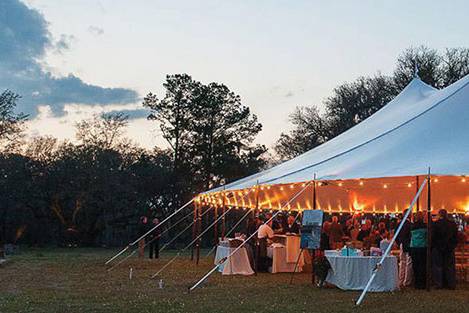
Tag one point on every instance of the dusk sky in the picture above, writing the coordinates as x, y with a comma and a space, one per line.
72, 58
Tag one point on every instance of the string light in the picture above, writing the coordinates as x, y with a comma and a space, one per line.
361, 183
435, 180
463, 180
281, 188
385, 186
292, 186
409, 185
340, 184
268, 187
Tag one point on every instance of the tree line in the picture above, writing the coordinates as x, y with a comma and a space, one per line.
94, 189
352, 102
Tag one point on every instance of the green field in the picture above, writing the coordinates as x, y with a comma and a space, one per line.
75, 280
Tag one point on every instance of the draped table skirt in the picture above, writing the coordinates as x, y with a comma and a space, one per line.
237, 264
353, 272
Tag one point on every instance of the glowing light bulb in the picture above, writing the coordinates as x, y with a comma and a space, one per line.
409, 185
340, 184
385, 186
463, 180
281, 188
435, 180
292, 186
268, 187
361, 183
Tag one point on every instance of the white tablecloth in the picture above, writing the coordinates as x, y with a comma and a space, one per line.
293, 248
280, 264
237, 264
353, 272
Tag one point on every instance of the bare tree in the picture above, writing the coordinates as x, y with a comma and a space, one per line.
103, 130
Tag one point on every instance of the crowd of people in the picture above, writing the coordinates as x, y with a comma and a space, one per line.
267, 227
365, 233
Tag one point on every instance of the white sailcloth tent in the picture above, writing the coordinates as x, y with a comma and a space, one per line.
375, 166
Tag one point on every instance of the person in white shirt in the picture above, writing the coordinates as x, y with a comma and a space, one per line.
264, 233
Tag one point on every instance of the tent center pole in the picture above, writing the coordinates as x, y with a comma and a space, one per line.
429, 233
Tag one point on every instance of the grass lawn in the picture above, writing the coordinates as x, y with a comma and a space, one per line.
76, 280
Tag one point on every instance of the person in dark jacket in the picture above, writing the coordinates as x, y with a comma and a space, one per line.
336, 233
418, 250
292, 226
364, 231
444, 241
154, 240
324, 242
405, 265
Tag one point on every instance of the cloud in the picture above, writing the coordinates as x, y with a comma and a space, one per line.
63, 43
46, 123
24, 40
95, 30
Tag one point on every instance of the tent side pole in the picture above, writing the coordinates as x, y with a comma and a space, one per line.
429, 234
417, 184
223, 224
215, 227
256, 242
315, 201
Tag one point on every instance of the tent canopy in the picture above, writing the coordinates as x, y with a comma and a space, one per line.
421, 128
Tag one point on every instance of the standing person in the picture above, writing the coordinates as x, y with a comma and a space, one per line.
335, 233
405, 264
154, 242
364, 231
444, 241
418, 250
324, 243
142, 229
264, 233
292, 226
